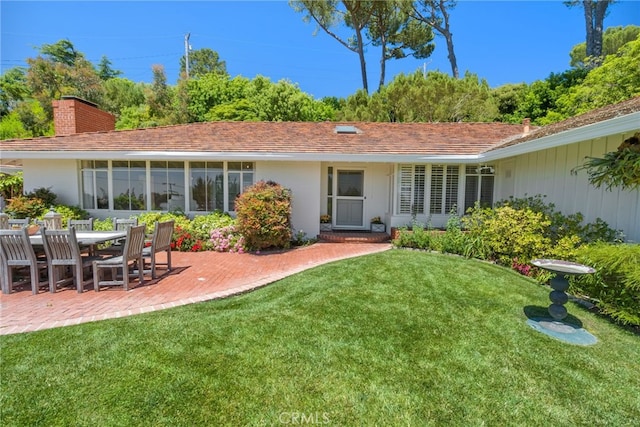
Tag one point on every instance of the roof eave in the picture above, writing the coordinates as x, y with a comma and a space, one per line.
616, 125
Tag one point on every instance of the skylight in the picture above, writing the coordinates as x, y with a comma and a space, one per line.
347, 129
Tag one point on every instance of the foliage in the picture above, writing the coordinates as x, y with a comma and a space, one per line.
436, 97
11, 184
619, 168
453, 240
25, 207
11, 127
613, 39
47, 196
264, 216
202, 62
616, 80
510, 233
615, 286
227, 239
416, 238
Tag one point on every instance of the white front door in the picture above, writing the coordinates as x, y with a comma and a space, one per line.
349, 199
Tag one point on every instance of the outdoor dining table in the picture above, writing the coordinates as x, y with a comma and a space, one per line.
86, 238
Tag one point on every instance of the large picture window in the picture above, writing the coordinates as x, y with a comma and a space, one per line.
129, 185
207, 186
164, 185
95, 184
167, 185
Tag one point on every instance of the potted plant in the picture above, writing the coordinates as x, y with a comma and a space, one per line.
377, 226
325, 222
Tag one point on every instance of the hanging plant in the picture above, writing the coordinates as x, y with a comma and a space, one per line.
619, 168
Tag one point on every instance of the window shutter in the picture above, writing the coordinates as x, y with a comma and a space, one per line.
437, 180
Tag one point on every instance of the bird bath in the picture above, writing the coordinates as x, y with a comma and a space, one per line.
560, 283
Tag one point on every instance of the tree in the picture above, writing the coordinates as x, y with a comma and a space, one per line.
13, 88
203, 61
61, 70
105, 72
436, 98
393, 29
617, 79
328, 14
435, 13
612, 40
63, 51
120, 93
159, 95
594, 13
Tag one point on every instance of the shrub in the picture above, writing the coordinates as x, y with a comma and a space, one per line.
417, 238
26, 207
264, 216
227, 239
615, 286
47, 196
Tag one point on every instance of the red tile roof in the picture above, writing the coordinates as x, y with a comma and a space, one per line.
283, 137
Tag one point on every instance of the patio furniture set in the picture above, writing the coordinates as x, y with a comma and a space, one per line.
53, 256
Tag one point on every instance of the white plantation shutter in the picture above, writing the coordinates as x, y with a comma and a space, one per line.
418, 189
453, 177
437, 181
404, 205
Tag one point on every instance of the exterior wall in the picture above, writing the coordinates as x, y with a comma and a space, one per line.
303, 178
60, 176
548, 173
72, 116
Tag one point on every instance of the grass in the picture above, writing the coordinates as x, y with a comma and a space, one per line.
396, 338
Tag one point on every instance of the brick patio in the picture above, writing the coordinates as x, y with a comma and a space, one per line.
196, 277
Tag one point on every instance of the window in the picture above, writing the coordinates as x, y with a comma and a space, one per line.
167, 185
129, 185
444, 189
412, 188
239, 178
207, 186
95, 184
479, 183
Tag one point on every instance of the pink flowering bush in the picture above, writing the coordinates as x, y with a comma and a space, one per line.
227, 239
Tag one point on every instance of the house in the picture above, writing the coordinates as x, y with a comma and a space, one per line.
353, 171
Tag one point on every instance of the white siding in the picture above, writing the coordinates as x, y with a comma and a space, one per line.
61, 176
548, 173
303, 179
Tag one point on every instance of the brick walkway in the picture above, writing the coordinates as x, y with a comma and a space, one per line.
196, 277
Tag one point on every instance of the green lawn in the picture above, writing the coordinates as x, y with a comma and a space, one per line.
396, 338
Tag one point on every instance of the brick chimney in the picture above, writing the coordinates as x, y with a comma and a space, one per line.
74, 115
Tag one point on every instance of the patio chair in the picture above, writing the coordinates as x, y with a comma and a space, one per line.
119, 224
62, 250
160, 242
81, 224
131, 258
16, 251
18, 222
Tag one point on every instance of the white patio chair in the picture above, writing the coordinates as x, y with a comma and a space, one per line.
16, 251
62, 250
131, 258
160, 242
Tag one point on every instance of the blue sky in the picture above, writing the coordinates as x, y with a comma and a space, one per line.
500, 41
